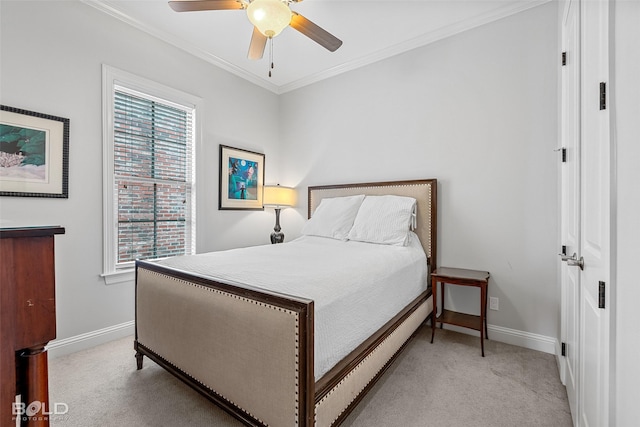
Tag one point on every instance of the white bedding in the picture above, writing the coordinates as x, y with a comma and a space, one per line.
356, 287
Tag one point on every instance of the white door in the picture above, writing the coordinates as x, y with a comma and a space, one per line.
585, 213
570, 199
594, 338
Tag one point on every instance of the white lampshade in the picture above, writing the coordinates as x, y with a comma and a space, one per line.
276, 196
270, 17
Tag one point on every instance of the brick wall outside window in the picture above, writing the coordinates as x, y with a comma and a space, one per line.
152, 177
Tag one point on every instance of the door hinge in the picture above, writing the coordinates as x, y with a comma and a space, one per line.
564, 349
564, 58
603, 96
601, 294
564, 156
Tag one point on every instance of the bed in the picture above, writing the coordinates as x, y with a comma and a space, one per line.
267, 343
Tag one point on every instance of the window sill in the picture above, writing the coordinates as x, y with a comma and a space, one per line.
120, 276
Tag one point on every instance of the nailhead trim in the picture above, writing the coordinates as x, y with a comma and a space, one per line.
244, 299
353, 371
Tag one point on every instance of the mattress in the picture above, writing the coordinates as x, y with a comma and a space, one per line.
356, 287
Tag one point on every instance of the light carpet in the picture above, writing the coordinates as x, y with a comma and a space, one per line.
446, 383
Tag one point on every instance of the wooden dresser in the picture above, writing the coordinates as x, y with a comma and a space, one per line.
27, 320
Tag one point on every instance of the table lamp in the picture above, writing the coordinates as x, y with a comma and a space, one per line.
278, 197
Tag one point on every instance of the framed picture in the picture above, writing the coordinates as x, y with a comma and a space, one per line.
34, 154
241, 179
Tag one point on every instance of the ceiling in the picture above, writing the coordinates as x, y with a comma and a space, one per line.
371, 30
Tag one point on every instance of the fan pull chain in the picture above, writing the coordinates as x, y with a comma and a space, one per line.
270, 55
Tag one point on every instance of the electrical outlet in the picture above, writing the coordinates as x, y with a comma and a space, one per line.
494, 303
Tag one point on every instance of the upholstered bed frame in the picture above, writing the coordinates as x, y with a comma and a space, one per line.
252, 351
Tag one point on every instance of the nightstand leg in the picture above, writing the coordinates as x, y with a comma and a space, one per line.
444, 285
434, 312
483, 315
433, 328
486, 329
486, 291
482, 339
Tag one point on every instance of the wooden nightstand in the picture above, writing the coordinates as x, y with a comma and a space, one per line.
463, 277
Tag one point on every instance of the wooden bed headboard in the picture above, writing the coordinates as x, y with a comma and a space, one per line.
424, 191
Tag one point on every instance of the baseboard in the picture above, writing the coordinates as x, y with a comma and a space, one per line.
57, 348
76, 343
514, 337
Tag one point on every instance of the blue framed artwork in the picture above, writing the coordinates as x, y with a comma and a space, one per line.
34, 154
241, 179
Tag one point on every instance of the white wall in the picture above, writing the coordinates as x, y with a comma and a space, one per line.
51, 63
478, 111
625, 100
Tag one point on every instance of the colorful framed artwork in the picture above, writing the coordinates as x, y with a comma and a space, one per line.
241, 179
34, 154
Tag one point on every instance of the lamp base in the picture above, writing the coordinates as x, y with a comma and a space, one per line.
277, 237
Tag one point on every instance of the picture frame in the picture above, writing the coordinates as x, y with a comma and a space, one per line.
34, 154
241, 180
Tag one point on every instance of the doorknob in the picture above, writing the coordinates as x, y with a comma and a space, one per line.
575, 262
565, 257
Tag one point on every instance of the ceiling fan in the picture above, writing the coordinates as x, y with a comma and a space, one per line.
269, 18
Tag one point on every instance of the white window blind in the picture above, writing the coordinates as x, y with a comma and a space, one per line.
152, 169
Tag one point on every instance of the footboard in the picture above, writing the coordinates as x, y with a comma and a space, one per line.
248, 350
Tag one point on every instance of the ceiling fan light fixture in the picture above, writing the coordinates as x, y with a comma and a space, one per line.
270, 17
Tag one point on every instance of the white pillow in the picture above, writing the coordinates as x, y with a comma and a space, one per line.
333, 217
384, 220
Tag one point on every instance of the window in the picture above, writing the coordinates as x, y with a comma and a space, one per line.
149, 172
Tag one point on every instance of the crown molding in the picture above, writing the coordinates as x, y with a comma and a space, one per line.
450, 30
106, 7
508, 9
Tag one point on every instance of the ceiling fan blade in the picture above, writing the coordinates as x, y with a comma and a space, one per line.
314, 32
258, 42
198, 5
